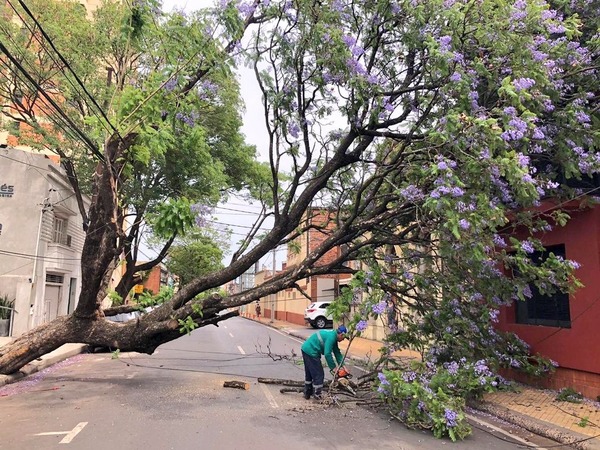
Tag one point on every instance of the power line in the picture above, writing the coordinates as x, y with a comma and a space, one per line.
91, 145
64, 61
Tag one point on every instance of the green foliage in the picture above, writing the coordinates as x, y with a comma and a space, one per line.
584, 422
187, 325
115, 298
5, 304
147, 299
194, 257
172, 217
116, 354
569, 395
430, 397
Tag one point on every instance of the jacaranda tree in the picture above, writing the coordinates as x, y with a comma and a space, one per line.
430, 129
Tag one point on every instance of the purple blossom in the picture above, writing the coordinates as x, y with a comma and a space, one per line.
527, 247
382, 378
379, 308
361, 325
464, 224
445, 42
481, 368
294, 129
548, 105
170, 84
455, 77
452, 368
538, 134
582, 117
451, 417
411, 193
522, 84
409, 376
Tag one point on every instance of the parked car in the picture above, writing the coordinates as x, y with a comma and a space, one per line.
316, 315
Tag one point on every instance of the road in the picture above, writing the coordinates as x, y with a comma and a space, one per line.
175, 399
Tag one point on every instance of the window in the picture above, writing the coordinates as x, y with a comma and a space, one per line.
59, 231
549, 310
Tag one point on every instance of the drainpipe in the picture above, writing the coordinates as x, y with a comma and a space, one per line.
46, 205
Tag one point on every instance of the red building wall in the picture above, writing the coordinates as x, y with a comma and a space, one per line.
576, 349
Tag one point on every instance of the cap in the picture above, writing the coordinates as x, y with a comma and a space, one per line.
342, 329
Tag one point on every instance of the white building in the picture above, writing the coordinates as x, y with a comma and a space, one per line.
41, 238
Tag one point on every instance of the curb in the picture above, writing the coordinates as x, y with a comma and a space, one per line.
555, 433
58, 355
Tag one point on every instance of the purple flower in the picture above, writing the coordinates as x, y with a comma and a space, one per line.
481, 368
452, 368
464, 224
450, 417
455, 77
411, 193
382, 378
170, 85
409, 376
582, 117
445, 42
527, 247
379, 308
522, 84
548, 105
361, 325
294, 129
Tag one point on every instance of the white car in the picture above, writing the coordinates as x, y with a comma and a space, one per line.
316, 315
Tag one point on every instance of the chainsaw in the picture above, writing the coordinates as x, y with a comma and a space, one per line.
343, 373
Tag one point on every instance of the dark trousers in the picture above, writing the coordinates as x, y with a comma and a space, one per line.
313, 375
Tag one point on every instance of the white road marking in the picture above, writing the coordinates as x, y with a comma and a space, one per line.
70, 435
241, 350
293, 338
131, 375
269, 396
230, 334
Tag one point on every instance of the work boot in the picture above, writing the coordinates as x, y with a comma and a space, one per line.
308, 391
318, 395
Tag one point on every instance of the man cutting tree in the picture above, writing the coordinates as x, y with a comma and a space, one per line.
323, 342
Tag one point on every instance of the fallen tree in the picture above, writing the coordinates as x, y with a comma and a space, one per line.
412, 126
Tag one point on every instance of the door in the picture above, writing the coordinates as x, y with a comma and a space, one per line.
51, 298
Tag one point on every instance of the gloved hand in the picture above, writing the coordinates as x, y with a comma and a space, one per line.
339, 372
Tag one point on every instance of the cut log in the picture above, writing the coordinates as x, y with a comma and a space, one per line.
237, 385
282, 382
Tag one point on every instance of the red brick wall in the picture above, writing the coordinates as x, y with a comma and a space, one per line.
576, 348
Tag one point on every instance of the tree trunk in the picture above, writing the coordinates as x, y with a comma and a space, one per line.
142, 335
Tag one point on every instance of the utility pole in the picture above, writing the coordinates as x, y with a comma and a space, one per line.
274, 295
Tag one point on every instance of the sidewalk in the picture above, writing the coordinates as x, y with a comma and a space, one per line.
536, 410
58, 355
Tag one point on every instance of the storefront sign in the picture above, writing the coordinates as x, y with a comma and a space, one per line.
6, 190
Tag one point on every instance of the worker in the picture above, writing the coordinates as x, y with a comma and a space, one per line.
323, 342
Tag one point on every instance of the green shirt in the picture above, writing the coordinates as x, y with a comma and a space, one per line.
327, 345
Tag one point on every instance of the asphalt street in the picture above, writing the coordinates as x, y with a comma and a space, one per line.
175, 399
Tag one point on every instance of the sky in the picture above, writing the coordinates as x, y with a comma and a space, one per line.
237, 214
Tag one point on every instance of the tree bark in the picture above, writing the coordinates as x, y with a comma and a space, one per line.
237, 385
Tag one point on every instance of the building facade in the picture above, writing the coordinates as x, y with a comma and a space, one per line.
564, 327
41, 239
